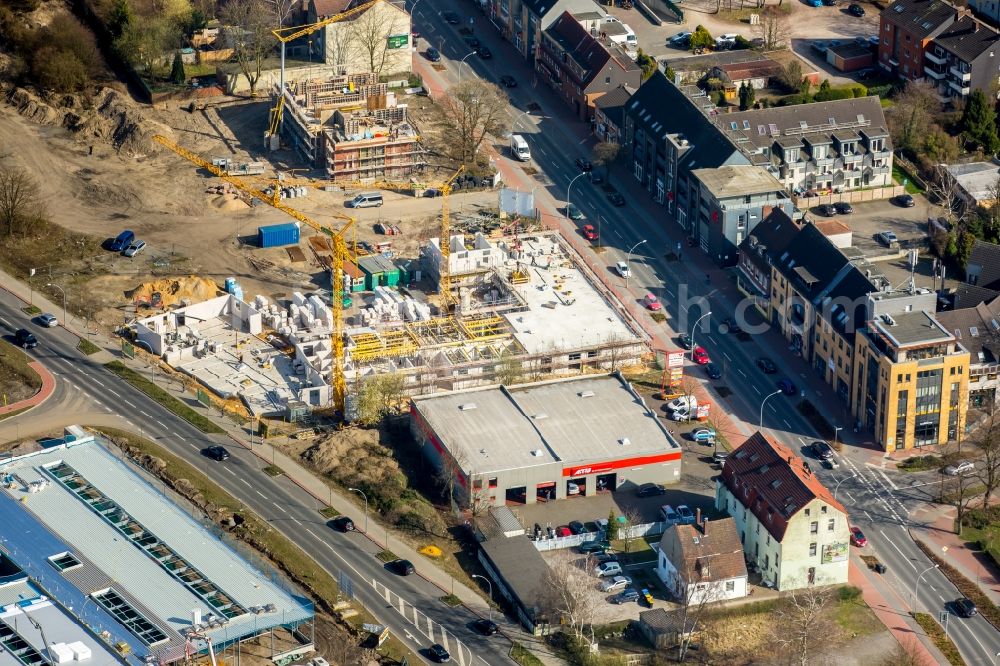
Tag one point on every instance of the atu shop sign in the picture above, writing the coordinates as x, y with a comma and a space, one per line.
398, 41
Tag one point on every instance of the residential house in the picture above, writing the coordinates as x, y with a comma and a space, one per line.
580, 67
978, 183
349, 46
692, 69
911, 380
521, 22
977, 329
730, 201
906, 28
983, 267
609, 114
703, 563
762, 246
791, 526
963, 58
831, 146
668, 136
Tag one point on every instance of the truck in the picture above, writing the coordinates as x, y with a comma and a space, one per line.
519, 148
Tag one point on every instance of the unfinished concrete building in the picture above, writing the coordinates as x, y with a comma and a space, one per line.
352, 127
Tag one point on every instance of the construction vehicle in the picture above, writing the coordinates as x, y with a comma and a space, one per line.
289, 34
340, 255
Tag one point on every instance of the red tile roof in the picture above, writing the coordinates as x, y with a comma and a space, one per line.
706, 553
773, 483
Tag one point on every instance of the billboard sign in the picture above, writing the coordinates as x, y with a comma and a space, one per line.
398, 41
675, 359
835, 552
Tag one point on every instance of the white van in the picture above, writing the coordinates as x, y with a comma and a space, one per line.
519, 148
366, 200
630, 38
685, 402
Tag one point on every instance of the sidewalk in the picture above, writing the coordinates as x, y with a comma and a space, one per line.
975, 565
44, 392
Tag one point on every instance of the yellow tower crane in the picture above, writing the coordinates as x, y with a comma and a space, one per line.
291, 33
340, 256
444, 282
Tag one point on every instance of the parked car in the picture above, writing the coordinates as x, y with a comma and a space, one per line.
726, 41
826, 210
433, 54
437, 653
402, 567
830, 3
589, 232
25, 338
732, 325
821, 450
615, 584
887, 238
904, 200
843, 208
451, 18
787, 386
683, 402
766, 365
217, 452
668, 515
576, 527
473, 42
596, 178
651, 302
122, 241
965, 607
616, 198
961, 469
343, 523
650, 490
703, 435
572, 488
856, 10
585, 165
684, 340
564, 531
685, 515
48, 320
623, 269
700, 356
594, 547
626, 596
605, 569
135, 248
814, 3
574, 213
486, 627
681, 39
713, 371
719, 457
858, 537
484, 53
508, 81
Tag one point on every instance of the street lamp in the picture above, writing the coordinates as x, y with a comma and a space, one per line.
628, 261
63, 292
760, 426
462, 62
366, 510
913, 599
513, 125
490, 583
569, 188
694, 328
837, 487
836, 431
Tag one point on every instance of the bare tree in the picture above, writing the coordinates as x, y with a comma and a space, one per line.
604, 154
691, 611
773, 28
20, 202
452, 469
509, 370
905, 654
248, 31
802, 624
370, 33
281, 10
912, 115
944, 188
627, 532
338, 40
565, 595
988, 465
472, 110
379, 396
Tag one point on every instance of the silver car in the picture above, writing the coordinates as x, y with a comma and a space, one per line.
615, 584
48, 320
135, 248
961, 469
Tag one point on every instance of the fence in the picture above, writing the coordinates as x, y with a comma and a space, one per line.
853, 196
574, 540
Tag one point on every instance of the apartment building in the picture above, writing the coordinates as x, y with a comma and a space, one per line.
977, 329
906, 28
521, 22
789, 523
581, 67
963, 58
609, 114
758, 251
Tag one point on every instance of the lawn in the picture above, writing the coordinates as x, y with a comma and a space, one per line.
87, 347
160, 395
939, 638
899, 175
17, 380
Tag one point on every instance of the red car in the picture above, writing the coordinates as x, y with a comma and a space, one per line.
651, 302
858, 538
589, 232
700, 356
563, 531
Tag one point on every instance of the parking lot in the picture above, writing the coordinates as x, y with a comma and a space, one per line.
868, 219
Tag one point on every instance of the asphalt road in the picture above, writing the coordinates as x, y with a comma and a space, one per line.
872, 500
409, 606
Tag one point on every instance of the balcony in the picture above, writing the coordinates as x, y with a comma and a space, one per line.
959, 88
933, 73
935, 59
964, 77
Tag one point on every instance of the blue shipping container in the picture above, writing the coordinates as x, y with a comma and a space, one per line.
276, 235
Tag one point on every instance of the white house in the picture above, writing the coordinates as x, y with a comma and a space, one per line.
703, 562
789, 523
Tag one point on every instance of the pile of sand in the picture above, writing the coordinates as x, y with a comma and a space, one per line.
174, 290
229, 202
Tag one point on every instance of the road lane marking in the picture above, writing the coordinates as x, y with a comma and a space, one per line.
260, 493
96, 381
244, 482
130, 405
317, 537
888, 480
146, 415
744, 375
712, 339
278, 507
893, 544
110, 390
162, 424
850, 497
296, 521
727, 357
757, 389
787, 424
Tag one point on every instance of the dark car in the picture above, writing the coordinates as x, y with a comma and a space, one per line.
830, 3
732, 325
402, 567
596, 178
616, 199
486, 627
217, 452
25, 338
508, 81
904, 200
787, 387
585, 165
856, 10
965, 607
822, 450
626, 596
473, 42
433, 54
576, 527
766, 365
826, 210
484, 52
713, 371
650, 490
437, 653
343, 523
684, 340
450, 18
843, 208
594, 547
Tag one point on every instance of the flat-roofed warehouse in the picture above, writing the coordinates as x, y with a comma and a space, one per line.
548, 440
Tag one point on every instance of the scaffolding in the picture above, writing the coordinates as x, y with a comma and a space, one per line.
391, 343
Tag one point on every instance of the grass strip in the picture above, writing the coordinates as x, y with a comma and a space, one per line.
161, 396
88, 347
451, 601
14, 367
387, 556
271, 470
14, 413
987, 608
937, 636
523, 656
329, 512
31, 310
